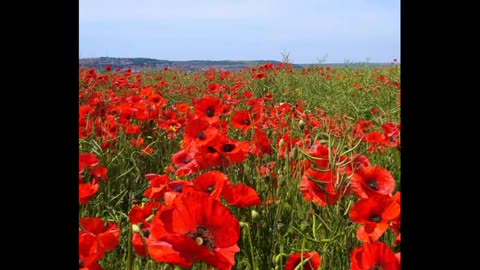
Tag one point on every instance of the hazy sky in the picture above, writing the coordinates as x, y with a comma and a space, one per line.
337, 30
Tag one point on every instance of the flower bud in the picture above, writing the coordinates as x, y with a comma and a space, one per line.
301, 124
255, 215
135, 228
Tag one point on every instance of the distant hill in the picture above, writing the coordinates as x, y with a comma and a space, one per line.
192, 65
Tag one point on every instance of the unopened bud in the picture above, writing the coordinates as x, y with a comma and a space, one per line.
255, 215
301, 124
136, 228
243, 224
149, 218
281, 143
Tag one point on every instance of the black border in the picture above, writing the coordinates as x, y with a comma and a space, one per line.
41, 142
430, 225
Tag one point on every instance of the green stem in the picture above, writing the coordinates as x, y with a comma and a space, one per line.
129, 249
253, 262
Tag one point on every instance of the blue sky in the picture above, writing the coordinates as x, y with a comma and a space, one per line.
309, 30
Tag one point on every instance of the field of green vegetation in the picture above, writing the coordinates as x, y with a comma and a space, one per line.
269, 167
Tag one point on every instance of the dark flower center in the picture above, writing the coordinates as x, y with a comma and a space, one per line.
201, 135
228, 147
203, 237
187, 160
375, 218
210, 112
178, 188
246, 122
210, 189
372, 184
211, 149
146, 233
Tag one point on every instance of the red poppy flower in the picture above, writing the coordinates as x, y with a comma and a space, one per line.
211, 182
376, 214
396, 223
377, 141
138, 243
186, 162
392, 133
241, 195
199, 131
87, 191
321, 154
232, 150
374, 256
209, 107
311, 261
174, 189
261, 144
268, 96
139, 214
245, 120
94, 266
361, 126
319, 187
88, 160
95, 238
99, 173
361, 160
195, 227
368, 181
158, 101
157, 186
207, 156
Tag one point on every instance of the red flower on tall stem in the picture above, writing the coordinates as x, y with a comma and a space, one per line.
87, 191
209, 107
199, 132
211, 182
375, 214
374, 256
195, 227
261, 143
95, 238
368, 181
311, 261
245, 119
319, 187
232, 150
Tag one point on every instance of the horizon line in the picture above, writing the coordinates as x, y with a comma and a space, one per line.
345, 62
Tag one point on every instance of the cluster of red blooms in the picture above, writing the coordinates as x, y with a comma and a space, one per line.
377, 210
184, 221
95, 238
89, 169
390, 137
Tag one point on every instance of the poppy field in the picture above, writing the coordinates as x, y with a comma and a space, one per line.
268, 167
